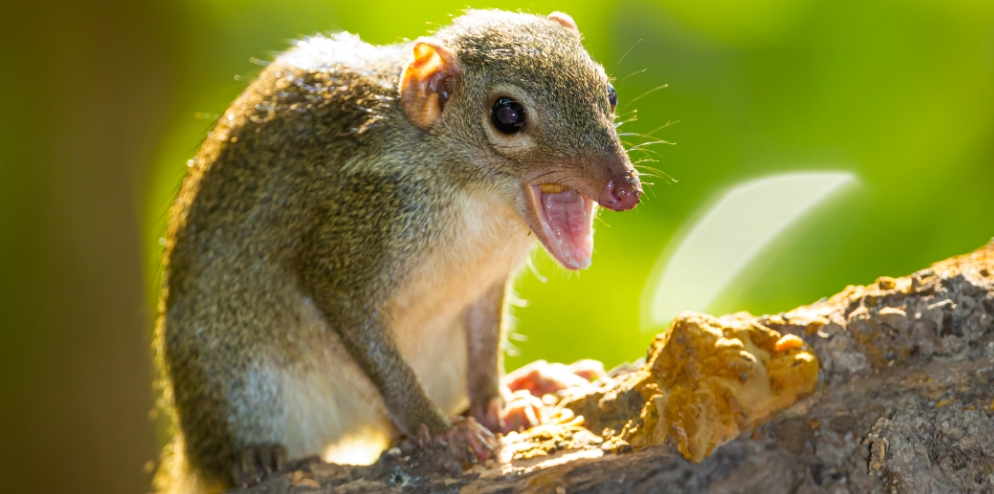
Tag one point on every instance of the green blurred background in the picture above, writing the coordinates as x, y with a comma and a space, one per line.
103, 103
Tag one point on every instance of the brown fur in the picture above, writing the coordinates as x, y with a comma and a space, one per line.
325, 256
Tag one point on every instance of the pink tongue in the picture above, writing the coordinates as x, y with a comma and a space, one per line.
568, 221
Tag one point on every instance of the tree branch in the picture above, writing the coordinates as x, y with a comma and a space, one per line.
902, 402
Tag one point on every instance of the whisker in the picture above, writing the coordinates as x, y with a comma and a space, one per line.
633, 134
623, 122
657, 88
645, 160
644, 150
626, 53
653, 152
650, 143
634, 147
638, 134
651, 169
637, 72
667, 124
623, 115
667, 177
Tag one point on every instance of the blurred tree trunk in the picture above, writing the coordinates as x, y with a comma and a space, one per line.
87, 90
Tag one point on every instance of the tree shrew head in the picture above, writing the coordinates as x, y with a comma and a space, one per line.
534, 115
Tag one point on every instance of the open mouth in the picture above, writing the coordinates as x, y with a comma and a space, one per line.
567, 220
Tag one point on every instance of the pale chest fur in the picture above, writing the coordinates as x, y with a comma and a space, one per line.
485, 245
333, 408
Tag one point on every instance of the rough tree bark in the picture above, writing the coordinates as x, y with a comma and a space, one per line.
904, 403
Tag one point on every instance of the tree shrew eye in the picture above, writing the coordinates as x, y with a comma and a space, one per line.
508, 116
612, 96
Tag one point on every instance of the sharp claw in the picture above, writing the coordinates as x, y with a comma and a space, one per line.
280, 457
424, 436
265, 457
487, 434
468, 441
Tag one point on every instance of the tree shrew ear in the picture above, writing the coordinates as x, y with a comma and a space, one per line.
565, 19
427, 83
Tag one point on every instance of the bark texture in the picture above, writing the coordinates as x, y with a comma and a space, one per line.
904, 402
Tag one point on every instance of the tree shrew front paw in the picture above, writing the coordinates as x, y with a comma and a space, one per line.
468, 440
527, 386
541, 378
255, 462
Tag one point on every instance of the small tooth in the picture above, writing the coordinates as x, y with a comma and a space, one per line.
553, 188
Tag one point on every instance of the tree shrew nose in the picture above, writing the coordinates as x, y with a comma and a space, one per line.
621, 193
